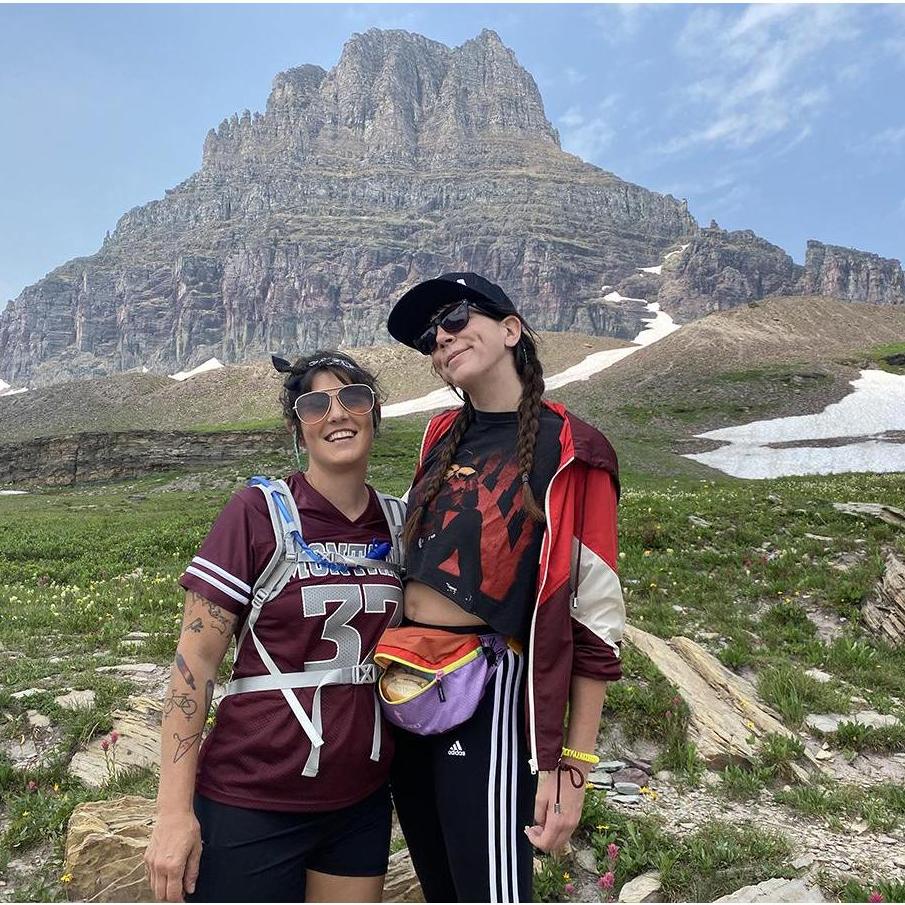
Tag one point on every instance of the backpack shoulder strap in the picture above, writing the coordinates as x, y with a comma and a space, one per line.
284, 519
394, 511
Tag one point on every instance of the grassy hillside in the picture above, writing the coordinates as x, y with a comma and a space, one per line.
749, 569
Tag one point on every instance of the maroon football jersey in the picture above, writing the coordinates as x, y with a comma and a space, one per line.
254, 755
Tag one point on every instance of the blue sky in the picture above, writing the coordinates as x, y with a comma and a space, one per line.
788, 120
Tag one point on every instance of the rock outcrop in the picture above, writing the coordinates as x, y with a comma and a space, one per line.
720, 270
306, 221
726, 716
858, 276
85, 457
884, 613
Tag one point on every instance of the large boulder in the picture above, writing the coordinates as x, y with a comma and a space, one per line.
105, 847
726, 716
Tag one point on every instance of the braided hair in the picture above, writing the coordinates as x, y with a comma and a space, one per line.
531, 374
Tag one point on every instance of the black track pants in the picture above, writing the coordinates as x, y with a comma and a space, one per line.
464, 798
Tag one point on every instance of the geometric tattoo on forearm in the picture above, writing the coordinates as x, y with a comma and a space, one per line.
185, 745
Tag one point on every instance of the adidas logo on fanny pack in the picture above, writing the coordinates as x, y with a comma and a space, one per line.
456, 749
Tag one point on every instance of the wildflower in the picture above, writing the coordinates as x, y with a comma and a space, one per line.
66, 878
676, 700
566, 877
607, 880
750, 724
612, 851
32, 786
602, 826
876, 896
668, 713
105, 744
56, 787
570, 889
114, 737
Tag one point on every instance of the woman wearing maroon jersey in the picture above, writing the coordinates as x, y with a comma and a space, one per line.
511, 536
287, 798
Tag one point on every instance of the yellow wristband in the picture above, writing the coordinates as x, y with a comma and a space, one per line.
580, 755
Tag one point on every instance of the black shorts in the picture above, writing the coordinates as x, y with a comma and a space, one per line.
262, 856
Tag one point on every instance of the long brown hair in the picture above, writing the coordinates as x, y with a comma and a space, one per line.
531, 374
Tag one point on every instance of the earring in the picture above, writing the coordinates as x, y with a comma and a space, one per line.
297, 448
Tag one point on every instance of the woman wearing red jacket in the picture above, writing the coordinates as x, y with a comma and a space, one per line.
511, 535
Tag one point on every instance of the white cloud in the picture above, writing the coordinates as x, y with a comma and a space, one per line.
760, 73
588, 135
573, 76
619, 21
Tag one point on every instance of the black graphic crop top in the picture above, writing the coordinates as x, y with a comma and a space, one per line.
475, 544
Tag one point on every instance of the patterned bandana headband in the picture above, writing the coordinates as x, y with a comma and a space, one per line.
284, 367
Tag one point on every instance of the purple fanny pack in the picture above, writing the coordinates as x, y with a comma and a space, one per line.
434, 680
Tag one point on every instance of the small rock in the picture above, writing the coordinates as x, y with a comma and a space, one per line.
137, 636
586, 858
129, 668
823, 754
663, 775
701, 523
898, 860
817, 537
611, 766
631, 775
776, 890
708, 636
875, 720
38, 720
627, 788
27, 693
859, 827
887, 840
76, 700
818, 675
803, 862
824, 722
644, 888
624, 799
601, 779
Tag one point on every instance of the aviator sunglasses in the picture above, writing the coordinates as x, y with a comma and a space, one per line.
355, 398
455, 320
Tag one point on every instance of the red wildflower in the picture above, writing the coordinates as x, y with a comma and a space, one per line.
607, 880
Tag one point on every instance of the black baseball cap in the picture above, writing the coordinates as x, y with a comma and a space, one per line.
412, 314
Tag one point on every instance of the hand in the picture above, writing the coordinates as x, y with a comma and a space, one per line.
551, 831
173, 856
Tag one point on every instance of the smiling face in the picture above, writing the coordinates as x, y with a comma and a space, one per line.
479, 352
342, 440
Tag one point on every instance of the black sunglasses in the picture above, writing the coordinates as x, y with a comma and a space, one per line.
454, 320
355, 398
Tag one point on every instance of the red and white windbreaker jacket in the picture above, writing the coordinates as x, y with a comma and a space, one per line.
577, 625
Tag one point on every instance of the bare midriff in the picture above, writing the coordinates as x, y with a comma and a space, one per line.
424, 604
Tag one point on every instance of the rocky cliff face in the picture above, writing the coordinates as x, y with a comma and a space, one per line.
720, 270
858, 276
717, 270
306, 221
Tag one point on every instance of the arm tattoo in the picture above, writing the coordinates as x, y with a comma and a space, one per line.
195, 627
186, 704
208, 696
183, 668
185, 745
220, 622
